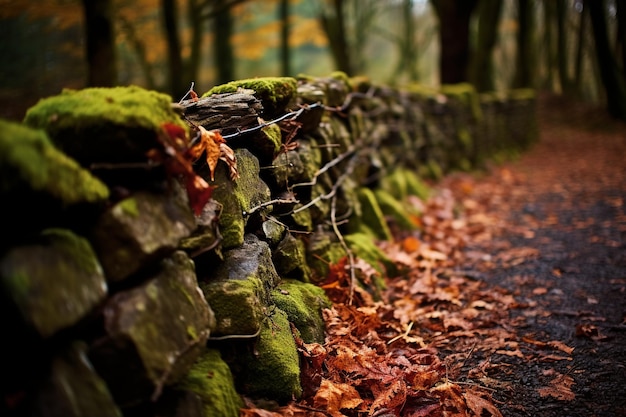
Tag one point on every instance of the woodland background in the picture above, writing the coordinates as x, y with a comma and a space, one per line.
573, 47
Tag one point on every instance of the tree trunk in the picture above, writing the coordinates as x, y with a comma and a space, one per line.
481, 69
196, 22
100, 40
525, 57
621, 34
454, 19
177, 85
549, 52
334, 25
285, 58
612, 78
407, 44
224, 59
567, 85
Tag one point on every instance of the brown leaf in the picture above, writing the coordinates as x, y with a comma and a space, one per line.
560, 388
392, 398
480, 406
336, 396
227, 155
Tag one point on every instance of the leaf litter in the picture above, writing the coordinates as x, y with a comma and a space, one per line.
406, 351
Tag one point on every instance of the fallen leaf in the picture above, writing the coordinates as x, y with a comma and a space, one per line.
480, 406
333, 397
560, 388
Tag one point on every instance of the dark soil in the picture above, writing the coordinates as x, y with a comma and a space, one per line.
559, 245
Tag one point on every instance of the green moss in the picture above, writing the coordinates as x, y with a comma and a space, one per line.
123, 106
274, 372
129, 206
467, 95
238, 304
393, 208
371, 216
522, 94
274, 92
343, 77
29, 161
364, 248
211, 379
303, 304
274, 138
106, 125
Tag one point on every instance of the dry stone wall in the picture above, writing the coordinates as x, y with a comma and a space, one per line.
132, 286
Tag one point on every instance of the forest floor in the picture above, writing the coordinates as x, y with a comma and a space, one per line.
510, 301
560, 248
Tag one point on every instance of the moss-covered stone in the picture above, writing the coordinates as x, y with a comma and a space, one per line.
394, 209
274, 92
106, 125
323, 250
274, 370
239, 305
303, 304
35, 174
239, 289
238, 197
371, 219
467, 95
211, 379
401, 183
58, 290
157, 330
290, 259
363, 247
139, 231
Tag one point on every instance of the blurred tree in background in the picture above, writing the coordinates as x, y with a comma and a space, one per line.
571, 47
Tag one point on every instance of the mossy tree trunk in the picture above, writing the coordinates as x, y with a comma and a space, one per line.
100, 41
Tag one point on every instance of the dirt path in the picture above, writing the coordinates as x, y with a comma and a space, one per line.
557, 242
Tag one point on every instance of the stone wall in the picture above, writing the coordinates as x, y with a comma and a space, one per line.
134, 282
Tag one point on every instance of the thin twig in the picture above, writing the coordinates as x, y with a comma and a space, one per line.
344, 245
187, 93
269, 203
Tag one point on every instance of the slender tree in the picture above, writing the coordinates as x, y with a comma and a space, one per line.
525, 53
481, 68
285, 51
612, 77
334, 24
176, 82
454, 22
100, 42
222, 48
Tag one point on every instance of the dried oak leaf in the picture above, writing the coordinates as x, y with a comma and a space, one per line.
333, 397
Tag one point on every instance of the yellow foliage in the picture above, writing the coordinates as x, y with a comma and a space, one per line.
305, 31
